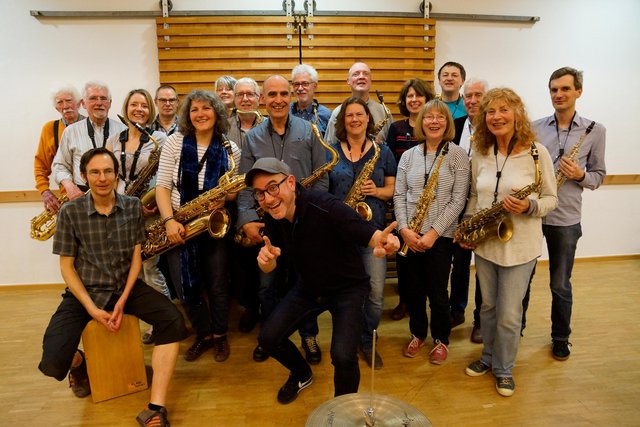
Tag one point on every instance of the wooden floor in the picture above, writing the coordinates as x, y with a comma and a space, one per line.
598, 386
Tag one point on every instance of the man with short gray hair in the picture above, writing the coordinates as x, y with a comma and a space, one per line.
304, 79
66, 100
83, 136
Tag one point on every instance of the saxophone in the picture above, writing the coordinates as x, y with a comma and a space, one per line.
44, 225
355, 198
140, 186
560, 177
195, 215
428, 195
241, 237
494, 221
387, 116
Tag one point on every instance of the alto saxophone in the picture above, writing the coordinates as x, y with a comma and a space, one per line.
428, 195
195, 215
242, 238
387, 116
562, 178
140, 186
44, 225
355, 198
494, 221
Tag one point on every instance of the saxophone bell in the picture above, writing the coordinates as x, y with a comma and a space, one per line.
364, 210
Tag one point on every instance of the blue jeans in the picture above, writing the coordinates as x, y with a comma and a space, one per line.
298, 307
561, 243
376, 268
503, 289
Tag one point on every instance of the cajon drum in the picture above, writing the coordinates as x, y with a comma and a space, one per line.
115, 361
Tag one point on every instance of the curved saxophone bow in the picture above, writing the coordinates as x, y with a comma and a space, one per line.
355, 198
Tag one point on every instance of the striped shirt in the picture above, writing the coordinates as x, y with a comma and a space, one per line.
170, 161
101, 244
451, 191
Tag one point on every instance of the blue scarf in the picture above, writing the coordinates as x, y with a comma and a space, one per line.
216, 161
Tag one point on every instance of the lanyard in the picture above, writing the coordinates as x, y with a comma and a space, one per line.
123, 157
427, 173
561, 146
92, 133
499, 171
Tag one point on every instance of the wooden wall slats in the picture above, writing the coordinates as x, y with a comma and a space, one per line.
194, 51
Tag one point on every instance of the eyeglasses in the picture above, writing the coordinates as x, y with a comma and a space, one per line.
272, 189
167, 100
95, 174
304, 85
249, 95
440, 119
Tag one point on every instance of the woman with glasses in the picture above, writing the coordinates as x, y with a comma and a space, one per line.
357, 152
441, 169
504, 161
132, 149
415, 93
223, 87
191, 163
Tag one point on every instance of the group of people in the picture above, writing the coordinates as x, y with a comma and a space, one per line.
313, 215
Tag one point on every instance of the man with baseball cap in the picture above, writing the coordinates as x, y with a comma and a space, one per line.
319, 237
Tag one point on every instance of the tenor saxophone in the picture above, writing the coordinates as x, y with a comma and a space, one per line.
494, 221
355, 198
387, 116
562, 178
242, 238
428, 195
196, 215
140, 186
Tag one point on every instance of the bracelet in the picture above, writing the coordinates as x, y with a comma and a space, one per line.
167, 219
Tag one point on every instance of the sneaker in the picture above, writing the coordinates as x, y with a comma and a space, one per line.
399, 312
367, 355
312, 350
477, 368
476, 334
505, 386
290, 390
259, 355
438, 353
198, 347
151, 418
413, 347
457, 319
221, 348
147, 337
79, 379
560, 350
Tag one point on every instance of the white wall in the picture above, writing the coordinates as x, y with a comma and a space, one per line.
599, 38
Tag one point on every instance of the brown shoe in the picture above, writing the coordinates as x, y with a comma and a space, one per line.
399, 312
197, 349
221, 348
476, 334
79, 380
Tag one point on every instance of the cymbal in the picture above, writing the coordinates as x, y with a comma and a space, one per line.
349, 411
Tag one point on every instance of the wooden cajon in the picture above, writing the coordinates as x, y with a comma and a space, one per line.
115, 361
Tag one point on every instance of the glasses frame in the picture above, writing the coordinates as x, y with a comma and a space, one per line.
272, 189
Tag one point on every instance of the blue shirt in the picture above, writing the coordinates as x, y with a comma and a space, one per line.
309, 114
344, 174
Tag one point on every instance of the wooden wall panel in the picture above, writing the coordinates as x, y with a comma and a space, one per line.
194, 51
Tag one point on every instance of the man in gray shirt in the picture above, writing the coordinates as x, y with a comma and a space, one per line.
577, 147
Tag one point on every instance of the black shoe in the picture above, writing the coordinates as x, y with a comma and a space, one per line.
312, 350
149, 417
147, 337
457, 318
198, 347
560, 350
259, 355
290, 390
248, 320
79, 380
366, 355
476, 334
399, 312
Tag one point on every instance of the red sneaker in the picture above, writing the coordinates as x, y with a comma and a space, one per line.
438, 353
413, 347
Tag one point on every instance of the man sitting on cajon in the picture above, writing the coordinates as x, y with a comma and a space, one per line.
98, 238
